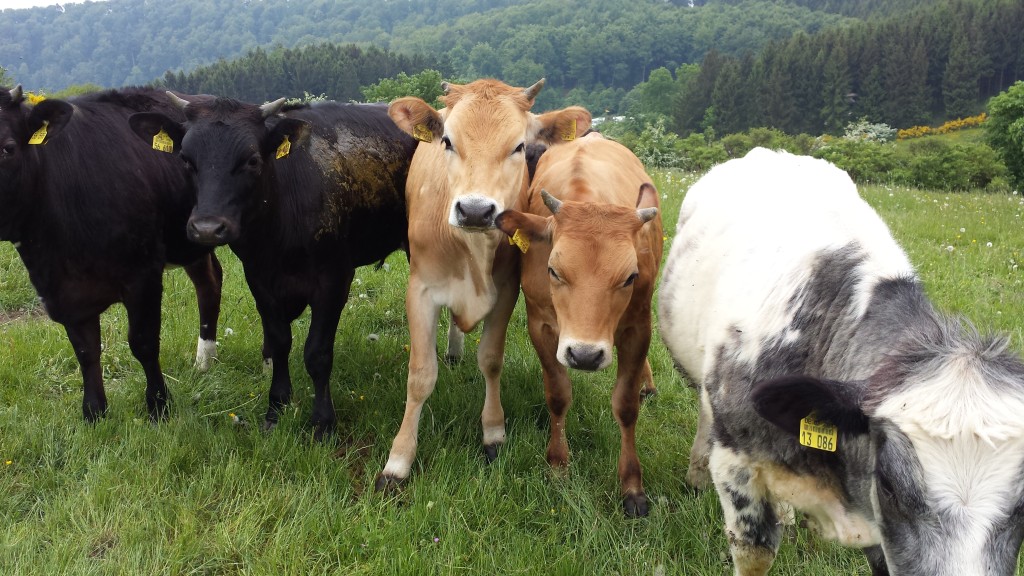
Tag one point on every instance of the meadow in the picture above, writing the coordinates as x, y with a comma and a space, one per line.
208, 492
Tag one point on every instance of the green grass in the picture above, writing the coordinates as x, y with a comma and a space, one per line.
202, 494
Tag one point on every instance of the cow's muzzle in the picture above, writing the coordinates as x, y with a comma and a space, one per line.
211, 231
476, 212
588, 357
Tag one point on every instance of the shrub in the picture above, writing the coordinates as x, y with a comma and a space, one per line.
1004, 130
865, 160
864, 130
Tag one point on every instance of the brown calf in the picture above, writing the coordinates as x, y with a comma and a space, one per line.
470, 165
588, 276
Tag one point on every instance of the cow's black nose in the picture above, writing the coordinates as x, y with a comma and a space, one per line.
209, 231
584, 356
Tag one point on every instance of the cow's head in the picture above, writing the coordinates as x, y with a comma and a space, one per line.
23, 126
593, 268
229, 147
944, 452
483, 132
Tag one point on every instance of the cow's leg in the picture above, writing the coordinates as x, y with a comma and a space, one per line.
207, 277
751, 524
85, 339
557, 386
318, 353
490, 358
277, 345
697, 475
876, 560
456, 341
142, 303
423, 315
647, 381
632, 348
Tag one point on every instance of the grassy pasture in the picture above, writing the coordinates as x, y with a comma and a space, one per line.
204, 493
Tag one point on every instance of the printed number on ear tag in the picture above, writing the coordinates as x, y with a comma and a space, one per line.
817, 434
163, 142
570, 132
39, 135
283, 149
422, 133
520, 240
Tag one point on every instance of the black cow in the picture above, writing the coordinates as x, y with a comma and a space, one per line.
96, 215
303, 198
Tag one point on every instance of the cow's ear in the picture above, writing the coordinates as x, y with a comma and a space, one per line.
559, 126
147, 125
647, 203
53, 114
785, 401
417, 119
535, 228
285, 133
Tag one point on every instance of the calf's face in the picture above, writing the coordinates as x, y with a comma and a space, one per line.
592, 269
944, 479
228, 147
484, 131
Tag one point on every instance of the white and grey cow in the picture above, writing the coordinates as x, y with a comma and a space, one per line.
784, 294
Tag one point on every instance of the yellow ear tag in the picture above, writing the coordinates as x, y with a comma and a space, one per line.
283, 149
817, 434
519, 239
163, 142
422, 133
40, 134
570, 132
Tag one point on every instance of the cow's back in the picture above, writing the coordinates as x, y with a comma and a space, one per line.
605, 170
352, 174
750, 234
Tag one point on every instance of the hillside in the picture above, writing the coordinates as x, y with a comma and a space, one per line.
610, 42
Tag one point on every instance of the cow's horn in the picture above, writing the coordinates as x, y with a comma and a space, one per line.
532, 91
16, 94
271, 108
553, 204
646, 214
177, 100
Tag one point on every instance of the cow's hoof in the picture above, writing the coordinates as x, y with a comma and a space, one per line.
451, 359
635, 505
646, 393
93, 413
387, 483
269, 425
491, 452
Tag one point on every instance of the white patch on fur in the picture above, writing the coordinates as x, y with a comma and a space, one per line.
746, 242
969, 439
206, 353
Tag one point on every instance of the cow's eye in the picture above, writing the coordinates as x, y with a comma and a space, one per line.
520, 148
253, 161
8, 149
447, 143
554, 276
629, 281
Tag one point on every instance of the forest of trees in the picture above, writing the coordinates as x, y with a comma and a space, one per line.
713, 66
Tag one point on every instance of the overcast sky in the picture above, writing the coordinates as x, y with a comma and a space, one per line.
30, 3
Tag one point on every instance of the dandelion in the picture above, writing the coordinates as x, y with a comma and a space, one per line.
372, 337
950, 248
234, 418
962, 230
988, 244
8, 462
228, 331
